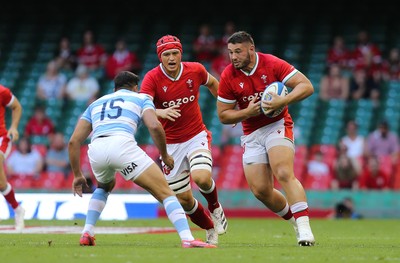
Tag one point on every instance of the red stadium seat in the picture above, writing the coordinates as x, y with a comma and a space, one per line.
52, 180
231, 173
317, 182
151, 151
300, 161
396, 178
387, 167
123, 185
84, 159
329, 152
216, 155
21, 181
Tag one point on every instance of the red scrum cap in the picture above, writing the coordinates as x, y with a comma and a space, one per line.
168, 42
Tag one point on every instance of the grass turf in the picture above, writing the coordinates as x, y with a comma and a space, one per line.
247, 240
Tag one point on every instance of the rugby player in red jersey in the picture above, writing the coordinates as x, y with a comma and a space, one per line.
7, 137
174, 87
268, 143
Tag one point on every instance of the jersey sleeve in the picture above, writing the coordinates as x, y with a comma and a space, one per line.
283, 70
86, 115
204, 76
225, 93
147, 103
6, 96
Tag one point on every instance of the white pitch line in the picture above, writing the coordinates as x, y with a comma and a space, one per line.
9, 229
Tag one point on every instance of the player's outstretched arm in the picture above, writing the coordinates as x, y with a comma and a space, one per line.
157, 133
16, 113
80, 134
170, 113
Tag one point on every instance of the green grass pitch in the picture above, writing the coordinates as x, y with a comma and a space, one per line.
247, 240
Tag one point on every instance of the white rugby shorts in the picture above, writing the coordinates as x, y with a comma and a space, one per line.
179, 177
257, 144
108, 155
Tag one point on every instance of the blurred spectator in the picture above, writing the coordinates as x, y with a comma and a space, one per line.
24, 161
345, 174
339, 53
345, 210
373, 177
92, 54
83, 86
353, 144
51, 85
65, 57
205, 45
318, 173
363, 86
382, 142
365, 51
219, 63
391, 65
57, 159
230, 132
39, 124
229, 29
334, 85
122, 60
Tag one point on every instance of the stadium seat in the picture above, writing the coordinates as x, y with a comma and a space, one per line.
231, 173
300, 161
21, 181
151, 151
329, 153
51, 181
396, 178
388, 168
317, 182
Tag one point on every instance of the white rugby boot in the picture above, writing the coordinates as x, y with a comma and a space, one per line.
219, 220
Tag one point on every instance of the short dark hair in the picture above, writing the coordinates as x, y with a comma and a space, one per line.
125, 80
240, 37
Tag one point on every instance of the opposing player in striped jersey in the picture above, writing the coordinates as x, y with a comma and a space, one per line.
113, 121
174, 87
268, 143
7, 137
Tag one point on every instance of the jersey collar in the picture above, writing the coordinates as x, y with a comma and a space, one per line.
171, 78
254, 68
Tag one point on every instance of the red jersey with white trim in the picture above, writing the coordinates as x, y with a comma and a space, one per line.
6, 98
237, 86
183, 91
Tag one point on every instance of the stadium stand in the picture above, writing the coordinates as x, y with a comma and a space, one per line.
28, 42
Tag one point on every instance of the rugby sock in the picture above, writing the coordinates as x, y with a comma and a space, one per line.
211, 195
299, 209
177, 217
286, 214
96, 206
9, 195
199, 217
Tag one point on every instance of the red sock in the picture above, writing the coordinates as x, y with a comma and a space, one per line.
10, 196
212, 199
200, 218
288, 215
301, 213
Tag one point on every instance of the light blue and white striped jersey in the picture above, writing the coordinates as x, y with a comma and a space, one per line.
118, 113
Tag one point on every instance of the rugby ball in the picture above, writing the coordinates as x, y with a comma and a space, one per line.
275, 87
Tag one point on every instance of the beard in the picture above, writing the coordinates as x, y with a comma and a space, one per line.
243, 64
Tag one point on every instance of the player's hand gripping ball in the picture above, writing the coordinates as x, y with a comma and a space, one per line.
275, 87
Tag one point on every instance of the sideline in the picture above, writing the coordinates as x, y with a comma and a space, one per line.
9, 229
